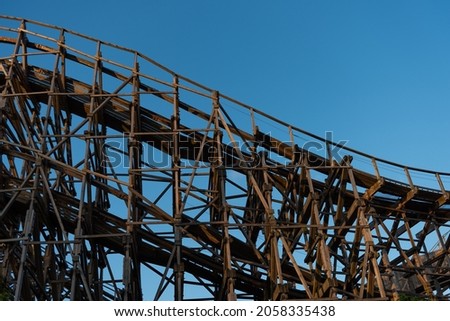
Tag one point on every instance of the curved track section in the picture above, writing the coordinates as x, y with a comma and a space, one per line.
121, 180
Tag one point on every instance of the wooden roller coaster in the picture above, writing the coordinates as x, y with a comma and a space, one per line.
122, 180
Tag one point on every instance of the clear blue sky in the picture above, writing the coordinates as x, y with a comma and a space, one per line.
376, 73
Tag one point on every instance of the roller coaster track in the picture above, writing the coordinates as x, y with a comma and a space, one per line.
122, 180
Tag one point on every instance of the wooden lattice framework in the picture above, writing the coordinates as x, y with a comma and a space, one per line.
122, 180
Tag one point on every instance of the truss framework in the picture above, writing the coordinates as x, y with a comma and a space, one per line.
122, 180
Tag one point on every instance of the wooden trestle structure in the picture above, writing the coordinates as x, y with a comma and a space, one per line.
122, 180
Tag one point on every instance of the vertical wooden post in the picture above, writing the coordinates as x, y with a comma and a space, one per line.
176, 197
